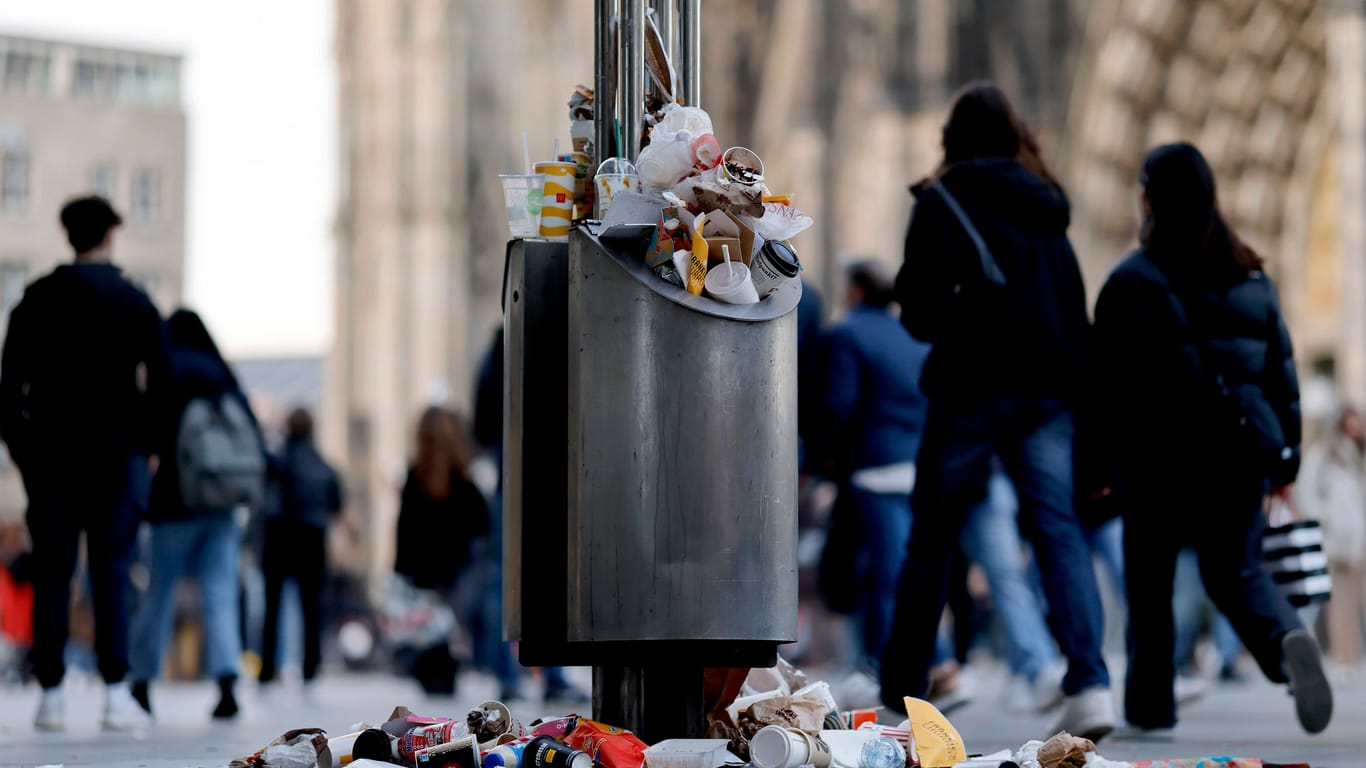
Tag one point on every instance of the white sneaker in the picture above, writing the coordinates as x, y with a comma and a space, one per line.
51, 711
1187, 689
1047, 687
121, 711
1089, 714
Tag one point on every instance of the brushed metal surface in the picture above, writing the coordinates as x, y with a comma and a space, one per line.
682, 486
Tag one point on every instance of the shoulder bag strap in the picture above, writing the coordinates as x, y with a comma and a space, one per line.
990, 269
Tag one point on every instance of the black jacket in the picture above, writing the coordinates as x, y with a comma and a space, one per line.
1164, 339
1027, 337
306, 488
78, 344
436, 536
194, 374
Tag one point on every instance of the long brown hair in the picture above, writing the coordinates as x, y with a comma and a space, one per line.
443, 451
1183, 214
982, 123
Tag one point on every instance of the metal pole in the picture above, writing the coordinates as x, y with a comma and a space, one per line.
633, 76
690, 51
604, 81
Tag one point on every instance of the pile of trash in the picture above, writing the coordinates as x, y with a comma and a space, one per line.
773, 719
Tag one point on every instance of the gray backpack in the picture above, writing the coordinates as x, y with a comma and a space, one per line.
219, 455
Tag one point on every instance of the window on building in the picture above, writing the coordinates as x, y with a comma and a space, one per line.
147, 196
102, 181
13, 280
26, 71
14, 177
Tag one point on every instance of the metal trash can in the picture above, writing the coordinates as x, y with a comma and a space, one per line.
679, 509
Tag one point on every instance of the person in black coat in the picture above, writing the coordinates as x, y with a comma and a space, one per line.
441, 516
991, 282
201, 542
309, 498
1197, 374
83, 387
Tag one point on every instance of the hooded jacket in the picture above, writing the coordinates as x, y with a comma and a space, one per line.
1028, 337
84, 371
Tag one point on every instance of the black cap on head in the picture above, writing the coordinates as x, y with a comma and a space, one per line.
87, 221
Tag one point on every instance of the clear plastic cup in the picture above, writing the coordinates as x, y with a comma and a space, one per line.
616, 174
522, 197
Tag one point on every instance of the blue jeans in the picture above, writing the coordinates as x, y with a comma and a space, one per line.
1033, 438
992, 540
205, 548
884, 521
1107, 541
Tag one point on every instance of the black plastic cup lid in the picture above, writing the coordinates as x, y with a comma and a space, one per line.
782, 256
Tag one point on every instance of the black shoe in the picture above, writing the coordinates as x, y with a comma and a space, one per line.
1308, 684
142, 696
227, 701
564, 693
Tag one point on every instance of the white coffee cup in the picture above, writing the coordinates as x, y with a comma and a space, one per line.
777, 747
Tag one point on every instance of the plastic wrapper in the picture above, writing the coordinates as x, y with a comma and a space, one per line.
694, 120
299, 748
1028, 754
666, 162
1094, 760
557, 728
581, 104
779, 222
1064, 750
609, 746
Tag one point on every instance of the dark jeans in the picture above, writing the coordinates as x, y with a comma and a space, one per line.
294, 550
1033, 438
1220, 515
103, 501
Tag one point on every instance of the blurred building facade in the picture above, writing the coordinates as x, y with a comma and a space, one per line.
434, 96
844, 100
75, 120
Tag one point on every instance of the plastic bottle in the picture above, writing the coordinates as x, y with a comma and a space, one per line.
882, 752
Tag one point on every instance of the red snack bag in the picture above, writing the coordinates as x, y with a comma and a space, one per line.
608, 745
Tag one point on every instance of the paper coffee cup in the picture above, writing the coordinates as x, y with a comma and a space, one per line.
557, 198
777, 747
817, 751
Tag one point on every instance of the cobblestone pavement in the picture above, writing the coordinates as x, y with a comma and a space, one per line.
1253, 719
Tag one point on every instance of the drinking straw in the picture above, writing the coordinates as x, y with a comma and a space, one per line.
526, 153
556, 156
725, 253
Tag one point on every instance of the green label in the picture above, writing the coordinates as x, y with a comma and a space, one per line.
533, 202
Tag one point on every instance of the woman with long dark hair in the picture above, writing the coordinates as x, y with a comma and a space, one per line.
1197, 377
194, 532
990, 280
441, 514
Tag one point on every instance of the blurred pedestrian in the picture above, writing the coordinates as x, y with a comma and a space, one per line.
1199, 378
82, 392
873, 417
990, 280
1332, 489
219, 466
441, 517
295, 541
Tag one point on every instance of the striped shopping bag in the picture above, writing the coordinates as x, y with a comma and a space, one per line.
1292, 552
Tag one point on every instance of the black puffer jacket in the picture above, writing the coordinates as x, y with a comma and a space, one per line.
1027, 337
1164, 338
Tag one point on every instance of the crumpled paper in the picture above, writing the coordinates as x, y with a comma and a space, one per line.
805, 709
1094, 760
1065, 751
